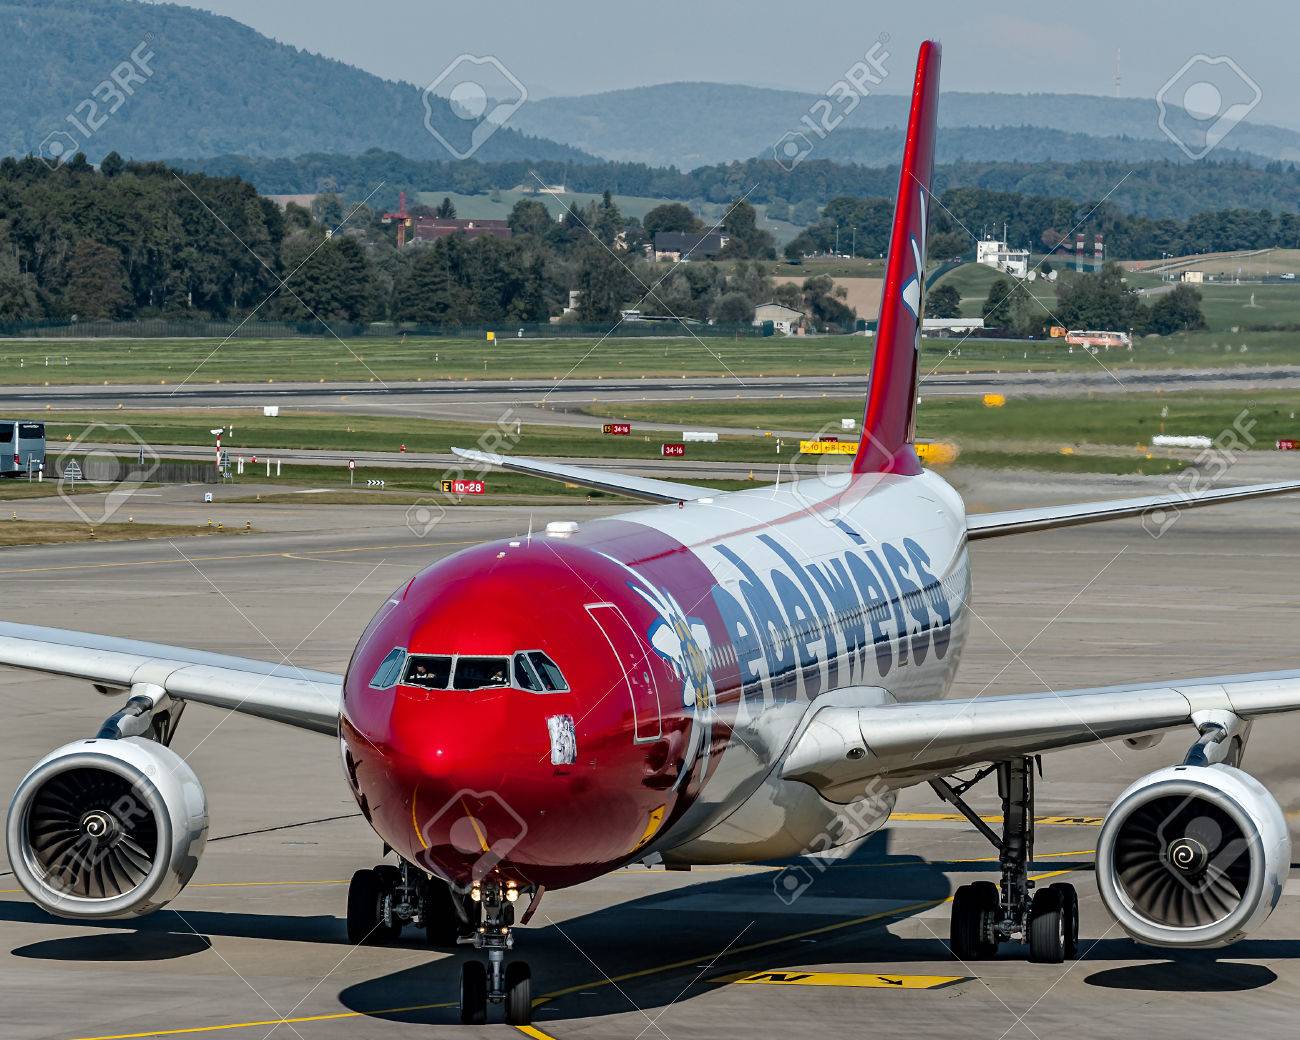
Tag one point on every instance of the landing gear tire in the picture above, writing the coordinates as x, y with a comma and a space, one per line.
974, 919
519, 994
365, 907
473, 993
1048, 925
442, 925
1070, 908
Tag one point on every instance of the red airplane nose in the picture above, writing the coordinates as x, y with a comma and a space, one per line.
551, 766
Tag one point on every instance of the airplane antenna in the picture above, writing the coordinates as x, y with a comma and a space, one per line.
1117, 75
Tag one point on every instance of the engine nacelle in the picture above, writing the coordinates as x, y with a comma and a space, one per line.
107, 828
1193, 856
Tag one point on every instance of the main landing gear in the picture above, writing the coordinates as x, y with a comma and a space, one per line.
496, 981
985, 915
386, 898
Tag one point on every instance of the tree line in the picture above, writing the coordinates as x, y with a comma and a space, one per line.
1157, 189
143, 240
1043, 224
1091, 301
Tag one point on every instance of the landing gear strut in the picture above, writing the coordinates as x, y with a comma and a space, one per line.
985, 915
386, 898
496, 981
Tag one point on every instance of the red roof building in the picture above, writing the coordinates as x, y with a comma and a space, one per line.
430, 229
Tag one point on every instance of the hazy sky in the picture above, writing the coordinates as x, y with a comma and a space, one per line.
581, 46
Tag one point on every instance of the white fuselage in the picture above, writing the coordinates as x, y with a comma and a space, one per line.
835, 593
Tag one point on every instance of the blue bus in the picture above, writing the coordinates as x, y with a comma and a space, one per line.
22, 447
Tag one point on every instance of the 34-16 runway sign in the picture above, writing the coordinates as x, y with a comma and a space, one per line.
617, 429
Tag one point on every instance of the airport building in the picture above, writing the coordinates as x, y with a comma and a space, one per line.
994, 253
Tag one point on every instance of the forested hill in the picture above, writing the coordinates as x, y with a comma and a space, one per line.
200, 84
1148, 189
1020, 144
694, 124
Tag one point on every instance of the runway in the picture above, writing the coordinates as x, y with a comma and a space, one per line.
259, 936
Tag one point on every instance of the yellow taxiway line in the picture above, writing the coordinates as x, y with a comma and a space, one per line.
537, 1034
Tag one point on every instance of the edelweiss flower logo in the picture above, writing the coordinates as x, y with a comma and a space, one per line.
680, 640
684, 643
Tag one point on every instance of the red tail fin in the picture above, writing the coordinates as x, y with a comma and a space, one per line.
888, 426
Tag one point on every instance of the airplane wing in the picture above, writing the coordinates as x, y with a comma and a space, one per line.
644, 488
280, 692
841, 749
1158, 507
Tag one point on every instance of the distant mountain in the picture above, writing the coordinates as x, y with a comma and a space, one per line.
198, 84
1021, 144
695, 124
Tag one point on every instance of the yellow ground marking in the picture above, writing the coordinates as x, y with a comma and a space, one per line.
332, 1017
758, 868
1042, 821
534, 1032
111, 564
852, 980
688, 962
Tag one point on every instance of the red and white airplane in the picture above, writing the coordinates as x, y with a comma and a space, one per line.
717, 678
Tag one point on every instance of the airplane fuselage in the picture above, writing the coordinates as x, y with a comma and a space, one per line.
692, 640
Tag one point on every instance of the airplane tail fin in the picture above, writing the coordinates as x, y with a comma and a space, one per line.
888, 427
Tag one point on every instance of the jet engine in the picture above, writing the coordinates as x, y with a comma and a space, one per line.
107, 828
1193, 856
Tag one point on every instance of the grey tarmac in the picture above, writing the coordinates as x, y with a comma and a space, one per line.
259, 935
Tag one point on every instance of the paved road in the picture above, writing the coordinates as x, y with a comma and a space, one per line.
641, 953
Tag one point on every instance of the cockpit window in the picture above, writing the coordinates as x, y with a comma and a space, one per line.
428, 671
525, 677
390, 668
476, 673
547, 671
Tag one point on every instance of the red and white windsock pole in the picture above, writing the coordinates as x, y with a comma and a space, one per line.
217, 434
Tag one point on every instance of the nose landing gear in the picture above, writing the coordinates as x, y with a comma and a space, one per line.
496, 981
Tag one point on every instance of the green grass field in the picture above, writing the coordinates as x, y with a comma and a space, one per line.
1226, 306
188, 362
1029, 423
1004, 437
58, 532
973, 282
384, 433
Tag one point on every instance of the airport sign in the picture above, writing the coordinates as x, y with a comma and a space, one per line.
462, 486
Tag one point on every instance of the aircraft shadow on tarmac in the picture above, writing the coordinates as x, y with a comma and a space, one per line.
672, 937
